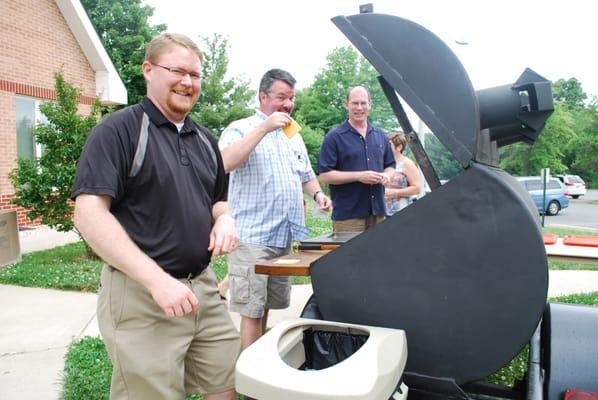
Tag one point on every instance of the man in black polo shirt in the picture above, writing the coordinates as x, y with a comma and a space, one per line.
156, 220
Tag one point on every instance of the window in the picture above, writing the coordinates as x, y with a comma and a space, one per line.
553, 184
28, 116
533, 184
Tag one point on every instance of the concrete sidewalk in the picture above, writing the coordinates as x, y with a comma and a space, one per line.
37, 325
42, 238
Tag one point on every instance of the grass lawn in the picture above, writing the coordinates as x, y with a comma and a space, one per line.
65, 268
87, 366
568, 231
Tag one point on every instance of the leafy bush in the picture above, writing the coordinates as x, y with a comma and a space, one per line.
44, 185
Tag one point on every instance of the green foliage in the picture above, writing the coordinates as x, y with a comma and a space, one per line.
322, 104
588, 299
87, 370
124, 29
220, 267
560, 231
318, 225
313, 141
44, 185
547, 151
442, 160
554, 265
512, 372
582, 152
222, 100
569, 92
585, 163
64, 268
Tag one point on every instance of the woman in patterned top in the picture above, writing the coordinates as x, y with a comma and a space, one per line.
406, 181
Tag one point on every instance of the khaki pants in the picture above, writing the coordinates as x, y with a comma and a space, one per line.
157, 357
356, 224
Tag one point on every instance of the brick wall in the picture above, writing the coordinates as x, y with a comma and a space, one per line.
22, 219
8, 139
35, 43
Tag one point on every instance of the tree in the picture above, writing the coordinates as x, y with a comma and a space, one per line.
586, 160
322, 105
442, 160
569, 92
222, 100
547, 151
313, 141
125, 32
44, 185
582, 152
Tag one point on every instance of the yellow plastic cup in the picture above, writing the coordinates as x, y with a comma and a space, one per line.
291, 129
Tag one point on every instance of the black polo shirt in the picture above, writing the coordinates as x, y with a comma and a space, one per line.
167, 207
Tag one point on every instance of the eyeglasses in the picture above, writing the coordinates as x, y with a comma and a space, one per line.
181, 73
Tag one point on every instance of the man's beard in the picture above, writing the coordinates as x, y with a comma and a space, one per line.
180, 107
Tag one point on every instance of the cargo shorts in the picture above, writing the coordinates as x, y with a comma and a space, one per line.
160, 357
250, 293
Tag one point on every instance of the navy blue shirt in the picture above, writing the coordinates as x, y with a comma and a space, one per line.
344, 149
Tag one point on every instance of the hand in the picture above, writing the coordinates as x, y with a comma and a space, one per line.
390, 194
371, 177
173, 297
385, 178
276, 120
323, 201
224, 237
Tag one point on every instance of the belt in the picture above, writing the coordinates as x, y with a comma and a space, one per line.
175, 274
185, 274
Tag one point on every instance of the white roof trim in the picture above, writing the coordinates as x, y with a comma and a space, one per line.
109, 87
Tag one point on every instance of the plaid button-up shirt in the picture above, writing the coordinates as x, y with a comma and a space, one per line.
265, 192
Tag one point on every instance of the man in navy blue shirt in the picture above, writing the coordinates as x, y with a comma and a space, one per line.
356, 160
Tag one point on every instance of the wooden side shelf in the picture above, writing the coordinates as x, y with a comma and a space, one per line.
293, 264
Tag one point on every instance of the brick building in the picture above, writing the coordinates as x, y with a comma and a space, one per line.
39, 38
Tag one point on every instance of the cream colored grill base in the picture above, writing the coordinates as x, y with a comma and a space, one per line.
267, 370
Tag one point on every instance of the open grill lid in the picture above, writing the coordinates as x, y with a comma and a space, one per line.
463, 270
424, 71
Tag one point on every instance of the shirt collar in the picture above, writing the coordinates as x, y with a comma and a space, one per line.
346, 127
260, 114
159, 119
